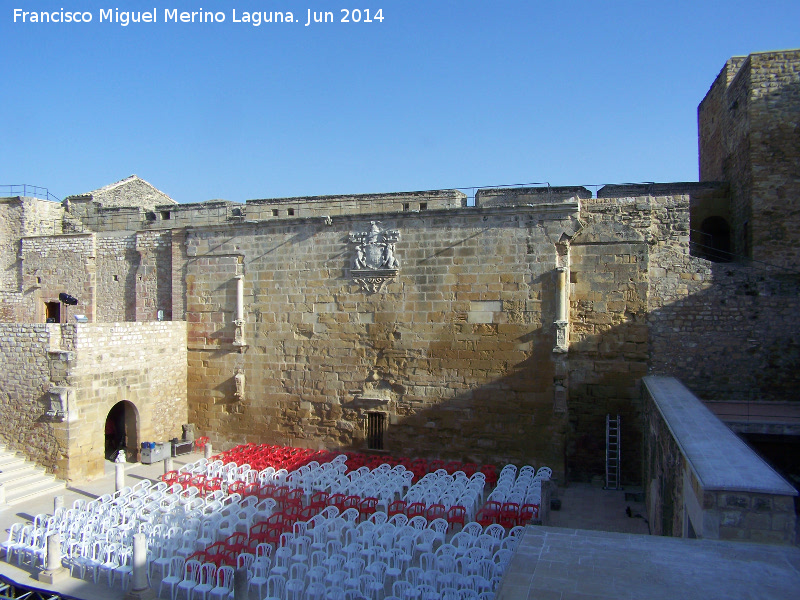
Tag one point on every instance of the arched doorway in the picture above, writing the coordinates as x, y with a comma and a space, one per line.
122, 431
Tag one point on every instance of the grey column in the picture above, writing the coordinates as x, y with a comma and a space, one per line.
240, 588
207, 450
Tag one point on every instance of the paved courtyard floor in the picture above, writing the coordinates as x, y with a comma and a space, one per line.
592, 550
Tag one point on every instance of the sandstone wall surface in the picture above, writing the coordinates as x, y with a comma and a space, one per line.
26, 365
457, 352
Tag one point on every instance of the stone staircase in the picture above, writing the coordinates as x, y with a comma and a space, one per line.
23, 480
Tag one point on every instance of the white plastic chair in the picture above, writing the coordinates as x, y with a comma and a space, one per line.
224, 585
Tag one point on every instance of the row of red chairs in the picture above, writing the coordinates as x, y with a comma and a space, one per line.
507, 514
454, 515
226, 551
261, 456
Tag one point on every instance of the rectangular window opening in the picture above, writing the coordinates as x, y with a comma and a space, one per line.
423, 206
406, 206
290, 212
376, 430
274, 212
52, 312
165, 215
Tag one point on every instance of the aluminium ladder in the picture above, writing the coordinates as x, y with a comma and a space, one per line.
612, 452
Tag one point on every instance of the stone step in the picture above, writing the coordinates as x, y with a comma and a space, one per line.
23, 480
34, 490
9, 461
9, 476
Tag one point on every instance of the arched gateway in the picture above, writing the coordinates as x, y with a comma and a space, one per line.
122, 431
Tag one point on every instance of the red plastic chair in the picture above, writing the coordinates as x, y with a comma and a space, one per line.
489, 513
509, 515
453, 466
469, 469
319, 500
456, 514
351, 502
435, 511
290, 516
198, 481
170, 477
491, 474
416, 509
215, 553
281, 492
367, 507
294, 498
212, 484
307, 512
398, 507
237, 487
201, 442
236, 542
259, 532
268, 490
337, 500
528, 512
435, 465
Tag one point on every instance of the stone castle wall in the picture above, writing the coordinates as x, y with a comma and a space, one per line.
749, 136
143, 363
59, 264
457, 352
26, 363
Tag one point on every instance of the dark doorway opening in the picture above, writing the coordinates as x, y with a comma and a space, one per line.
715, 242
52, 312
121, 432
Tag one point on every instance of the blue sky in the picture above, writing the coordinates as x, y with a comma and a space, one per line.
440, 94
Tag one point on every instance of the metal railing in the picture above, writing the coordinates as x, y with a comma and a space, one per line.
27, 190
10, 590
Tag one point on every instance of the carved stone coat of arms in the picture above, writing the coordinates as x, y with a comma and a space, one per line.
375, 261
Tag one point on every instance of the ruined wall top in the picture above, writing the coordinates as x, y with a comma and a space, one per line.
132, 191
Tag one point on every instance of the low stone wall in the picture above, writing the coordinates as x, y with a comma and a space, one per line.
701, 480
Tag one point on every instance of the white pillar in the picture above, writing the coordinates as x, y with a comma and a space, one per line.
207, 450
562, 311
119, 476
140, 589
58, 504
53, 570
238, 335
168, 465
